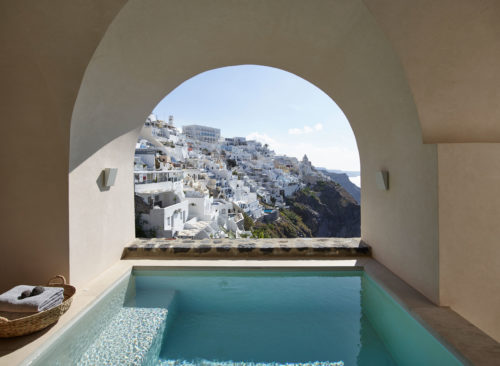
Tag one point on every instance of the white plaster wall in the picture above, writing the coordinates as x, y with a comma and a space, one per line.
449, 49
45, 48
101, 220
336, 45
158, 218
178, 221
200, 209
469, 206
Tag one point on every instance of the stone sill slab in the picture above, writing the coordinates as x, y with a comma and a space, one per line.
314, 248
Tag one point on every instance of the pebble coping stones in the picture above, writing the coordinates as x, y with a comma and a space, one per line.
247, 248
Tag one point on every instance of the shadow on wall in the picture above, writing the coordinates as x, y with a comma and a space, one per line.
100, 182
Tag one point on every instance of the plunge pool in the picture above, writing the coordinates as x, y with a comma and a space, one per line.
246, 317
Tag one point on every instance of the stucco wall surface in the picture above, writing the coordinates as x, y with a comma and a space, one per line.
153, 46
45, 47
450, 51
469, 207
101, 218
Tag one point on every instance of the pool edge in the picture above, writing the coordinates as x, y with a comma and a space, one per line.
479, 350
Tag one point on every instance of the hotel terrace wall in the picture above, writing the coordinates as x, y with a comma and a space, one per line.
78, 79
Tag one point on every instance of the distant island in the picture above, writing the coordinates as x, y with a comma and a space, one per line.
349, 173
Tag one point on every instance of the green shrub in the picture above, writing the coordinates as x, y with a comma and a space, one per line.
248, 223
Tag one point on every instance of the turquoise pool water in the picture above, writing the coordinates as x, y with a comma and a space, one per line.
247, 317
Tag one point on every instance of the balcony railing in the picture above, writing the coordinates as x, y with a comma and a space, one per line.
152, 176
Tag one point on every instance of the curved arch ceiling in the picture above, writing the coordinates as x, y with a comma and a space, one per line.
152, 47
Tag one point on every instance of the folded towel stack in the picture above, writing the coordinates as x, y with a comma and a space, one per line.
50, 297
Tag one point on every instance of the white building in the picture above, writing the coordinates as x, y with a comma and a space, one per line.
168, 215
144, 158
201, 206
202, 133
290, 189
157, 180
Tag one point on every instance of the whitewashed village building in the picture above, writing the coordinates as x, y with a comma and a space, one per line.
199, 185
202, 133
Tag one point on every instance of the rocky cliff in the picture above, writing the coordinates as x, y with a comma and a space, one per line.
345, 182
328, 210
287, 225
324, 209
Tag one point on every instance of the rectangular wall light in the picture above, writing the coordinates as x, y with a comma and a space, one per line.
382, 180
110, 176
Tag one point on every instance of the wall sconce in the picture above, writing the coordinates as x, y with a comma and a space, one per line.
109, 176
382, 180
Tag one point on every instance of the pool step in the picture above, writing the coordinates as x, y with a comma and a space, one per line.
133, 337
233, 363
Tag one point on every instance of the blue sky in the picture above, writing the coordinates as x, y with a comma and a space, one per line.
271, 105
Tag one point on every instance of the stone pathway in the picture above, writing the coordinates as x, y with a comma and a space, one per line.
247, 248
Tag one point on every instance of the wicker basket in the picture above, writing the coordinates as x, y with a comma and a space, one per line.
19, 325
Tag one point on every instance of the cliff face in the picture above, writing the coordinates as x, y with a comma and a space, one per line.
345, 182
328, 210
288, 225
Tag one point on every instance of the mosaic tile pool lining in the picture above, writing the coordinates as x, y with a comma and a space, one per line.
130, 325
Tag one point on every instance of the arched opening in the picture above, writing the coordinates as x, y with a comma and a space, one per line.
259, 153
149, 47
354, 65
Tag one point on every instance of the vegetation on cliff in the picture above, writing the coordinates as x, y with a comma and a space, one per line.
328, 210
288, 225
345, 182
324, 209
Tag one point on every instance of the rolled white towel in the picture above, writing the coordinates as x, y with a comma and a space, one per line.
50, 297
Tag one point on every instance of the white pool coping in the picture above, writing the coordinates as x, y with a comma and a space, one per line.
453, 330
